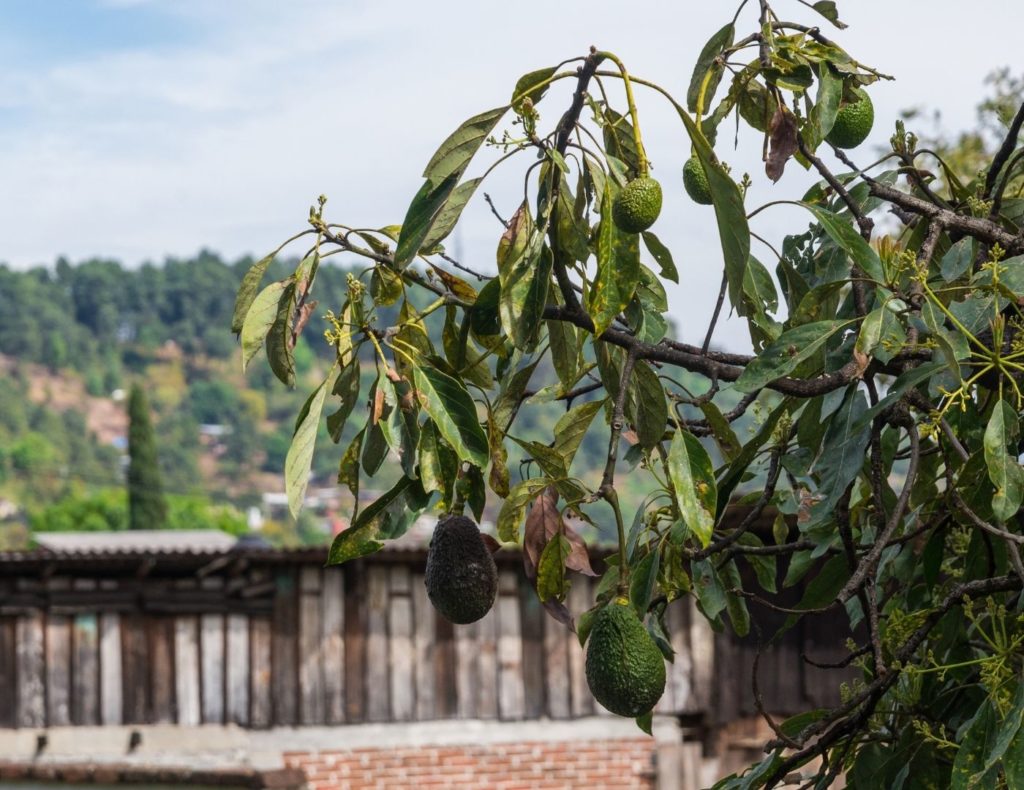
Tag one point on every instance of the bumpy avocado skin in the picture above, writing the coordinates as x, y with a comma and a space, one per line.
461, 577
625, 669
637, 205
695, 182
853, 122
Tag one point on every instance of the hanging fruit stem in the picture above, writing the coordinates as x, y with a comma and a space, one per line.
641, 154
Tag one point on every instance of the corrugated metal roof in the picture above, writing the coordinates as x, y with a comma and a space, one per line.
156, 541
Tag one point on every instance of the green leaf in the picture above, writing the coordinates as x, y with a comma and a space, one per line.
259, 318
739, 615
552, 462
385, 285
706, 63
662, 255
347, 387
850, 241
826, 105
247, 291
957, 259
618, 269
643, 580
974, 745
1008, 731
1003, 469
730, 213
551, 580
871, 331
348, 468
721, 431
784, 355
1013, 760
279, 341
651, 405
693, 479
455, 153
843, 451
452, 409
827, 8
645, 721
707, 586
507, 402
531, 86
572, 427
423, 213
513, 509
565, 351
387, 518
446, 219
300, 454
524, 294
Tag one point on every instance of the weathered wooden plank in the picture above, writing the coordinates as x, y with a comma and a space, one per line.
85, 670
377, 688
511, 688
284, 667
163, 686
135, 669
400, 647
487, 664
556, 668
261, 713
355, 642
186, 666
111, 688
702, 653
236, 668
445, 668
30, 671
532, 619
58, 670
579, 600
680, 672
467, 677
8, 672
211, 659
332, 607
424, 630
311, 671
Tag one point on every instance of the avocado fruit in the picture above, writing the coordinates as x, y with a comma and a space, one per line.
461, 577
638, 205
695, 182
625, 670
853, 122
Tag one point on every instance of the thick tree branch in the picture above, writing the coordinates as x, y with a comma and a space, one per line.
1009, 143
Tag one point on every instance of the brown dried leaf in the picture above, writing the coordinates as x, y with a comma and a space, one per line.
304, 314
543, 523
490, 542
783, 136
378, 406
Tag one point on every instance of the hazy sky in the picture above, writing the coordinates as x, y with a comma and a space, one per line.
138, 129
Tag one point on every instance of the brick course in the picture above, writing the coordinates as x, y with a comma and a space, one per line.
622, 764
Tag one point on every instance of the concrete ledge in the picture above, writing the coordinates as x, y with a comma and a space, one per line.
111, 774
215, 747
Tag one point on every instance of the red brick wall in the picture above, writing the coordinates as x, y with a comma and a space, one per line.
619, 764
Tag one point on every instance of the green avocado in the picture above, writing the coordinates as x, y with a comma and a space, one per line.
637, 205
695, 181
853, 122
625, 669
461, 577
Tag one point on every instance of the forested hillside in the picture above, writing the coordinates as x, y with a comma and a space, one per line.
72, 337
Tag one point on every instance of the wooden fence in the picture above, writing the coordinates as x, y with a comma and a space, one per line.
265, 639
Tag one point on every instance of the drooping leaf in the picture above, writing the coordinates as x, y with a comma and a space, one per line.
707, 73
347, 388
531, 86
826, 105
662, 255
827, 8
782, 136
455, 153
300, 454
278, 344
975, 744
524, 294
551, 579
247, 291
543, 524
784, 355
618, 269
452, 409
386, 519
513, 509
1003, 468
446, 219
643, 581
693, 478
259, 318
708, 588
843, 451
572, 427
850, 241
721, 431
424, 211
651, 405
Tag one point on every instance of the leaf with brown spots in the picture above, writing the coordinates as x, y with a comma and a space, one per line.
783, 136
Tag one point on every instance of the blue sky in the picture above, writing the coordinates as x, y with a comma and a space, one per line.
138, 129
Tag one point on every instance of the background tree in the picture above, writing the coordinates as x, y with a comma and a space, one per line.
886, 385
146, 506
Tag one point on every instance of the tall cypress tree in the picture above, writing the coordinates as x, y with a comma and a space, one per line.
146, 506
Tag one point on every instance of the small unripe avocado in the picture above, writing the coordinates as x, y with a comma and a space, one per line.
853, 122
637, 205
625, 669
461, 577
695, 181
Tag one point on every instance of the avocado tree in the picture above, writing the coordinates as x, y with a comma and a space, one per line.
885, 376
